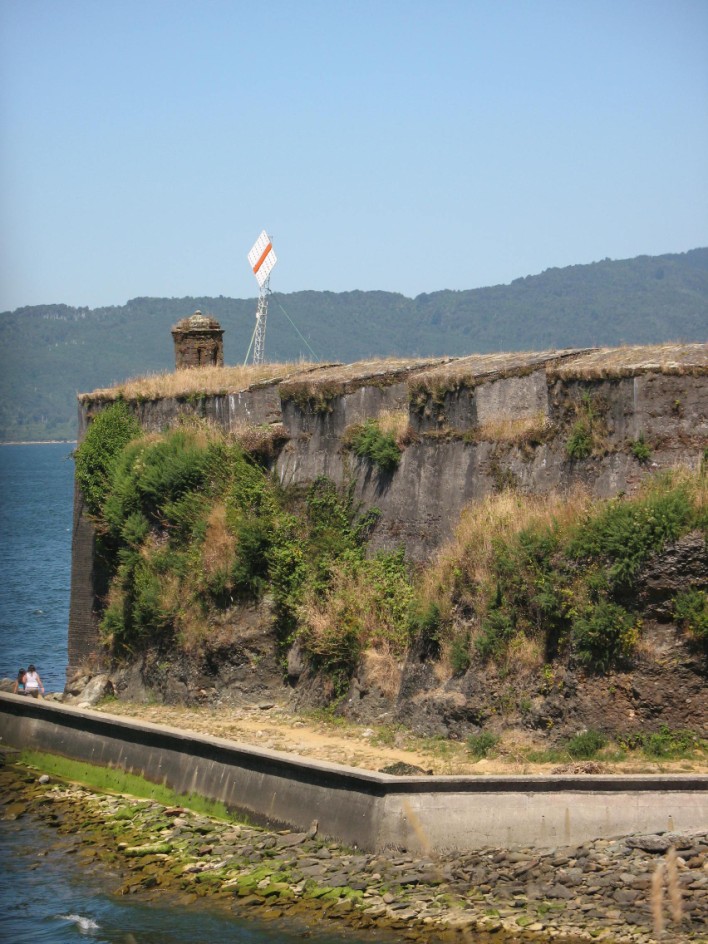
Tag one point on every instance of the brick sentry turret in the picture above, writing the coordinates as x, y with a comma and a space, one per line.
198, 342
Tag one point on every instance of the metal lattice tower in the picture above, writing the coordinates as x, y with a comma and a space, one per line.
262, 258
261, 315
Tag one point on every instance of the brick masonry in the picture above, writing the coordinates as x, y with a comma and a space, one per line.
199, 342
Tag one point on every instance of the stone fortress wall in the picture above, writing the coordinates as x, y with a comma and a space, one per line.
476, 424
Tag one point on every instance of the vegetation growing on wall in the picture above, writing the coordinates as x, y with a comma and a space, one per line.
428, 392
190, 526
179, 507
550, 576
105, 438
369, 441
691, 613
641, 450
312, 397
587, 432
519, 431
198, 382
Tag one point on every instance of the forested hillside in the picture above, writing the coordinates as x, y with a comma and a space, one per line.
51, 352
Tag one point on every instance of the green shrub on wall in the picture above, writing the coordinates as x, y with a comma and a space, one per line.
424, 625
664, 743
95, 457
558, 579
161, 480
187, 524
587, 433
366, 607
586, 745
482, 745
368, 441
460, 657
497, 632
580, 441
604, 635
641, 450
691, 613
624, 533
192, 526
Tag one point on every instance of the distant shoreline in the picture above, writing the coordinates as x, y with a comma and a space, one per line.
39, 442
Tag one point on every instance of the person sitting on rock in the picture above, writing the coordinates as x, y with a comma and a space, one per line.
33, 683
19, 687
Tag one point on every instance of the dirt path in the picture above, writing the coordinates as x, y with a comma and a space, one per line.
272, 726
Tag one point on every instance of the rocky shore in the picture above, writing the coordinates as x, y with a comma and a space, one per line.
621, 890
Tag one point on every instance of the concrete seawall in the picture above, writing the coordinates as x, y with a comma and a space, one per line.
371, 811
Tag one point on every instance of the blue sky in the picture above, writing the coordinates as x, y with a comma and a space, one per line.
400, 145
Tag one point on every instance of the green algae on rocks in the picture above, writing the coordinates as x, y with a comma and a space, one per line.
598, 891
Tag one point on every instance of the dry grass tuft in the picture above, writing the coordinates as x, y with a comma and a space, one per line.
200, 381
203, 432
630, 361
418, 830
526, 655
351, 618
514, 745
657, 899
513, 430
395, 423
192, 631
94, 663
467, 372
263, 441
219, 547
666, 877
465, 560
170, 593
380, 669
674, 886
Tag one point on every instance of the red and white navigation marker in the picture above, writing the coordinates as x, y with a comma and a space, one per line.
261, 258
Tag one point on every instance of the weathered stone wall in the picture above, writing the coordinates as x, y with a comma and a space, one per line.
459, 449
231, 411
481, 390
462, 452
83, 639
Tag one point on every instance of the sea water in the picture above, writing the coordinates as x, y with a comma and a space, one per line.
48, 897
36, 489
46, 894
